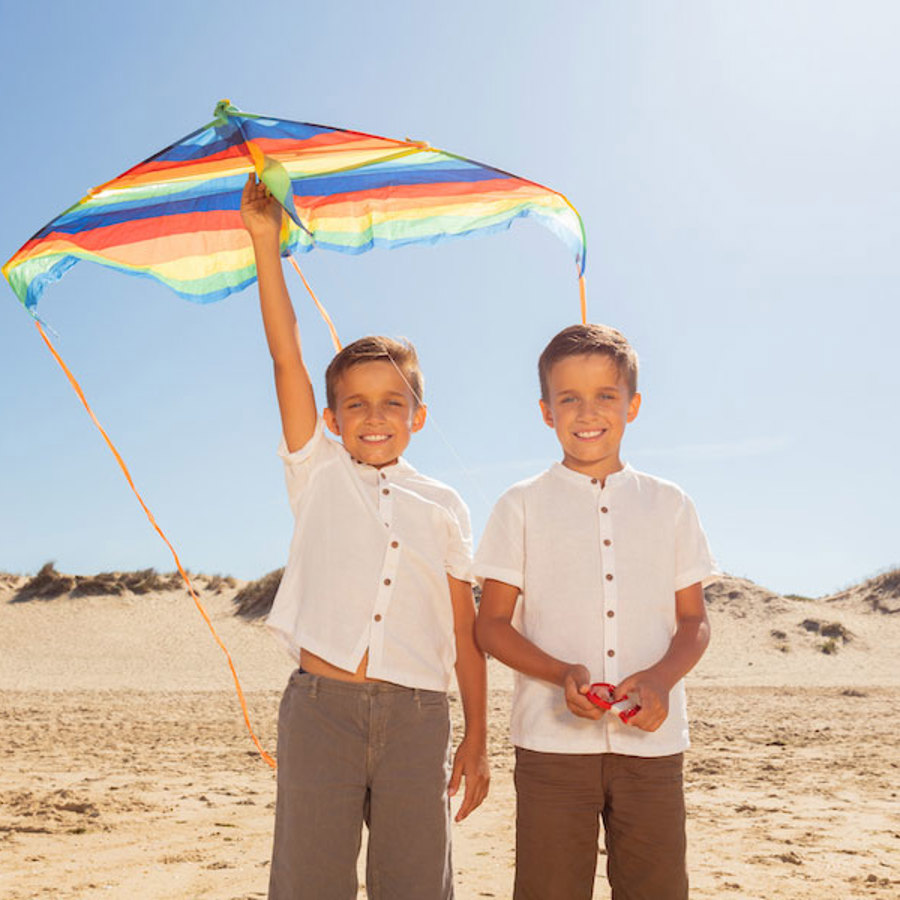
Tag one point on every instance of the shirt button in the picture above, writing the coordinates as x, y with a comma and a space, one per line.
395, 544
609, 614
607, 542
377, 617
609, 576
385, 491
387, 580
603, 509
610, 653
382, 474
593, 481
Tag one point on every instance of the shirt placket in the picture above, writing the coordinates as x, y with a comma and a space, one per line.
610, 609
389, 566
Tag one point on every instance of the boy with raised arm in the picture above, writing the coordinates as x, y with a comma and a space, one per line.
376, 606
602, 567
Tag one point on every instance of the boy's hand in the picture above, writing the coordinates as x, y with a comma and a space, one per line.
260, 211
470, 762
576, 683
652, 695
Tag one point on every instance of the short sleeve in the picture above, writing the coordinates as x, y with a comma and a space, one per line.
300, 464
459, 549
501, 551
693, 559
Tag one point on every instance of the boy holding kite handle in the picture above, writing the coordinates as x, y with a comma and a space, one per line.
376, 606
606, 566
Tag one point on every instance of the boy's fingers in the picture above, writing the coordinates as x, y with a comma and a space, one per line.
646, 721
455, 778
628, 686
586, 712
476, 791
581, 701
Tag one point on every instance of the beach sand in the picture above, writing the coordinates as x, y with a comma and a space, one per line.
127, 771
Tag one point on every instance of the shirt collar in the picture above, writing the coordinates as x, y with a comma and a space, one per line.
396, 472
580, 478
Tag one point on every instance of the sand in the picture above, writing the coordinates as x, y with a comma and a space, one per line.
127, 771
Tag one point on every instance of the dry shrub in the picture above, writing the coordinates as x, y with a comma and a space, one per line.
49, 584
837, 631
145, 581
255, 599
45, 585
888, 582
218, 583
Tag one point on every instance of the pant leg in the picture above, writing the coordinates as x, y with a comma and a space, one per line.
645, 827
409, 813
322, 733
559, 799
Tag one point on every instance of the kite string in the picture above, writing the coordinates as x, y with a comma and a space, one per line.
322, 311
77, 388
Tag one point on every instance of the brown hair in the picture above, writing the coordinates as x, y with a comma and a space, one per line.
371, 349
601, 339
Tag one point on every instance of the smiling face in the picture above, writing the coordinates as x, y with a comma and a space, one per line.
375, 413
588, 405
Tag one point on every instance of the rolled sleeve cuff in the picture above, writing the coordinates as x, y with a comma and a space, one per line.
496, 573
704, 574
301, 455
462, 571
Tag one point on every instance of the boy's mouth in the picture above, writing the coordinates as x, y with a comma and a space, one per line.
590, 435
375, 438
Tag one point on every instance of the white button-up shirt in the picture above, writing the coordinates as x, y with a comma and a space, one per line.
598, 568
368, 565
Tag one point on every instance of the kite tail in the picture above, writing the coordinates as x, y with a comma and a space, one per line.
581, 292
77, 388
322, 311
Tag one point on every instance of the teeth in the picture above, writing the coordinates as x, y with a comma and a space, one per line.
588, 434
375, 438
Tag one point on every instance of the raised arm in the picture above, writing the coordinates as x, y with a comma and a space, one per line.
497, 636
261, 215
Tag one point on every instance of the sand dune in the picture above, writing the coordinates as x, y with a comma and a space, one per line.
127, 771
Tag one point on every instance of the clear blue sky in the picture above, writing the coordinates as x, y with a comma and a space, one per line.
736, 168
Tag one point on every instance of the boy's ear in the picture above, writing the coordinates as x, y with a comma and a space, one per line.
419, 416
634, 404
331, 421
546, 413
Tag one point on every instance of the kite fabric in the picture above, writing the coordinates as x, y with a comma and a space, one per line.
176, 216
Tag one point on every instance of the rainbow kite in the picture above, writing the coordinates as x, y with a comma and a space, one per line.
176, 216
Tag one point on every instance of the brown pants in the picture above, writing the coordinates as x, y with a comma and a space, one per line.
350, 753
560, 799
